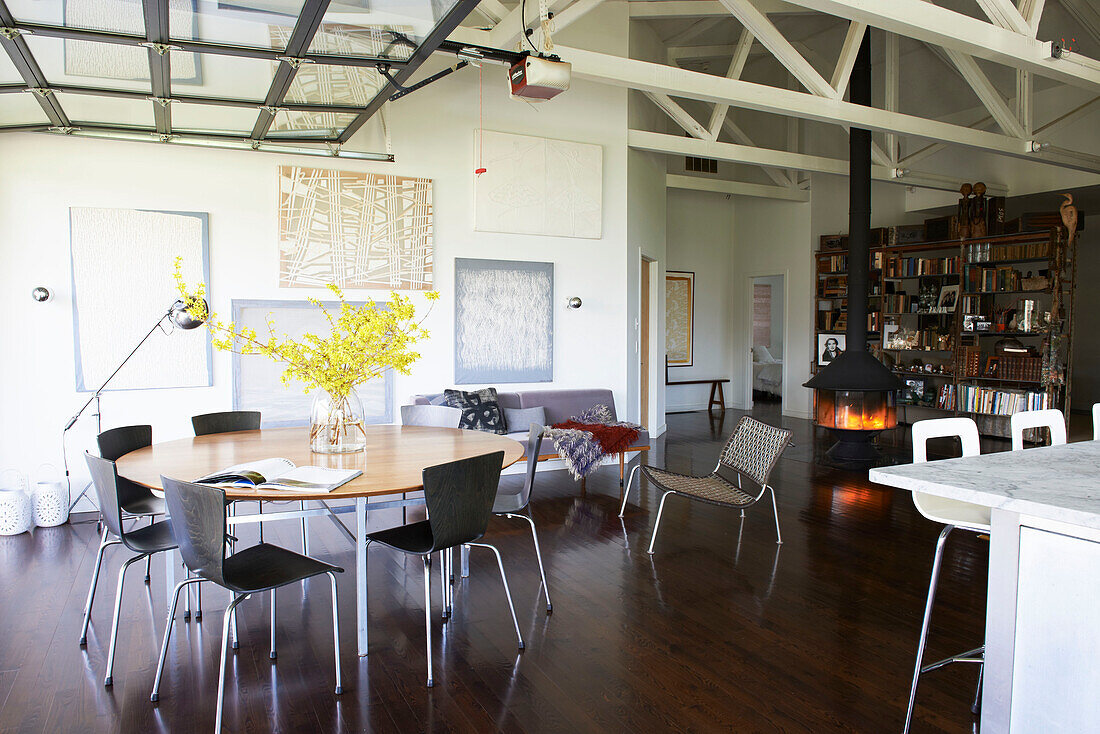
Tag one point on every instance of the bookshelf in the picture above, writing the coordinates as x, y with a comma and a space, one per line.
963, 323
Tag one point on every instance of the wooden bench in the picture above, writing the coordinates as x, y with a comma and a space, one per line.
715, 387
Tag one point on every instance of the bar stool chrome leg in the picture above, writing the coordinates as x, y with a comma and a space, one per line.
932, 583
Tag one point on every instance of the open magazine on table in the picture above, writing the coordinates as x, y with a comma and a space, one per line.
280, 474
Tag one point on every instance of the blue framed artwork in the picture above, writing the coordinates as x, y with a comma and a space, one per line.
504, 321
123, 261
257, 380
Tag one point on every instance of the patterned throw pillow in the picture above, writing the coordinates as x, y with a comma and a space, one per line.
480, 410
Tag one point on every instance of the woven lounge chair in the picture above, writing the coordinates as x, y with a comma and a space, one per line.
740, 478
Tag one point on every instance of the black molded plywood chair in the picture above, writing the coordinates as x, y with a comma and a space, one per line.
225, 422
199, 527
515, 504
459, 496
135, 499
144, 542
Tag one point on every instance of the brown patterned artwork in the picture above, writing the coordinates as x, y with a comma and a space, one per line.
354, 229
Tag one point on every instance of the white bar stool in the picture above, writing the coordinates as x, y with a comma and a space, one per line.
1051, 418
953, 514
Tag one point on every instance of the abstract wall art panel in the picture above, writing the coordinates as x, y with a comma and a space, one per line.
538, 186
354, 229
679, 317
123, 262
504, 321
257, 380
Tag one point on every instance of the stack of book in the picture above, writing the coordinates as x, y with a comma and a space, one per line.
992, 401
910, 267
991, 280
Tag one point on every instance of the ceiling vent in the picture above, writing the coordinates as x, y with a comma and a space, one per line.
700, 165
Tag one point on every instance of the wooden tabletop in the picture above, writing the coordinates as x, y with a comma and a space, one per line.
394, 459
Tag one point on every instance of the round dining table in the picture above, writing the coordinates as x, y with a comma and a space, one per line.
392, 463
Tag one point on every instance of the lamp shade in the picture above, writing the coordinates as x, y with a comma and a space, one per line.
182, 318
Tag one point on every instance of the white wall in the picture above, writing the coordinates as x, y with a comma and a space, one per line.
773, 238
646, 220
432, 137
700, 240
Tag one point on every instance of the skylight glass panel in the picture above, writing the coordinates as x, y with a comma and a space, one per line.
213, 118
21, 108
220, 76
107, 110
386, 28
296, 123
248, 23
8, 73
116, 16
91, 64
353, 86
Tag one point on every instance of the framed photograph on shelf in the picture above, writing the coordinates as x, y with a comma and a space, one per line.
888, 332
949, 297
829, 347
970, 322
914, 390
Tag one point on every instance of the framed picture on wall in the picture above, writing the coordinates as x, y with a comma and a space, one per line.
829, 347
679, 317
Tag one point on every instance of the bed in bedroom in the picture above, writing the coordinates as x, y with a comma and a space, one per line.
767, 372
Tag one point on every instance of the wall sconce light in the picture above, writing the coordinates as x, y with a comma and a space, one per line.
573, 303
41, 293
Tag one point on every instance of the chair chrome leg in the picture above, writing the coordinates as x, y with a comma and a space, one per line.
155, 695
538, 556
448, 581
260, 511
775, 510
230, 612
236, 638
198, 603
103, 543
976, 707
443, 582
336, 632
924, 625
657, 524
272, 653
305, 531
507, 592
626, 492
428, 612
118, 612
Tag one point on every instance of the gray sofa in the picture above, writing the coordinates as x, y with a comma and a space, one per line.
560, 406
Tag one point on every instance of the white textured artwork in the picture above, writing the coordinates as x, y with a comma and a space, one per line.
504, 321
354, 229
122, 266
257, 380
538, 186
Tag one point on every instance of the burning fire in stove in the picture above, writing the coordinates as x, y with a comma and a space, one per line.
856, 410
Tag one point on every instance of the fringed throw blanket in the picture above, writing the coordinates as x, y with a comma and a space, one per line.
584, 440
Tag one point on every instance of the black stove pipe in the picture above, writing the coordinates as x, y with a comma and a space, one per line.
859, 204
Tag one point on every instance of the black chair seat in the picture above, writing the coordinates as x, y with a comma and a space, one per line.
510, 503
151, 505
413, 538
151, 538
266, 566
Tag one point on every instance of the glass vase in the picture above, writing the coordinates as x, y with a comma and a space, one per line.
336, 423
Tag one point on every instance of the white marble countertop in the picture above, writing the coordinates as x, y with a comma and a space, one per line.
1052, 482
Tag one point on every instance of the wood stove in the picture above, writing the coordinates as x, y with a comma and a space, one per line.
855, 393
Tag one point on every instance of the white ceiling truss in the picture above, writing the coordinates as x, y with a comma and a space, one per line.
1008, 37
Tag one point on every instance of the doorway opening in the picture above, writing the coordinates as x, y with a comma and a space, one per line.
768, 338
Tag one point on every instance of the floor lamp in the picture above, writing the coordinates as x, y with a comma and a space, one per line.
178, 317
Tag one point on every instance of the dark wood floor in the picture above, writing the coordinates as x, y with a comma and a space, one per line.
720, 630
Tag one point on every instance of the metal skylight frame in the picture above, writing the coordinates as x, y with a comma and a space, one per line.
158, 43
